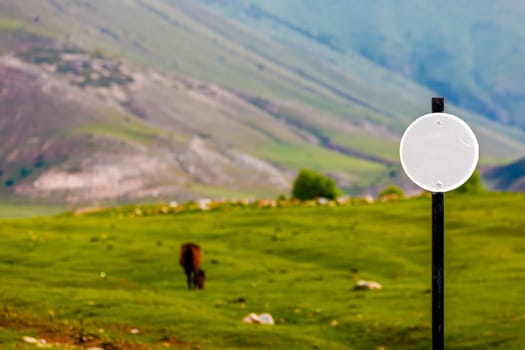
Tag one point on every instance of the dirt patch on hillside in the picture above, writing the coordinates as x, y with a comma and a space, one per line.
64, 334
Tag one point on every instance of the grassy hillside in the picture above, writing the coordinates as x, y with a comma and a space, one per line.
112, 277
185, 108
471, 55
186, 38
203, 104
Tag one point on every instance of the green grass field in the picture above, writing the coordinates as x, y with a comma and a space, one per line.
107, 275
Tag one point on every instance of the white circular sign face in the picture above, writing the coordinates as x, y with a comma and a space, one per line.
439, 152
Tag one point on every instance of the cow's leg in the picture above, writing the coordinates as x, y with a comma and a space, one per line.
188, 278
195, 279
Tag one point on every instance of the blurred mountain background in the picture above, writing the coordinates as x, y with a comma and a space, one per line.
115, 101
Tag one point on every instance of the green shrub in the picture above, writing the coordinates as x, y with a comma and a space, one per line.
24, 172
391, 190
473, 185
65, 67
40, 56
309, 185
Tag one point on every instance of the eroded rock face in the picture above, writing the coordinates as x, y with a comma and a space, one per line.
66, 143
125, 176
147, 174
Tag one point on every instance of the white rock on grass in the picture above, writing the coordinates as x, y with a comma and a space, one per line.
361, 284
252, 318
264, 318
30, 340
40, 343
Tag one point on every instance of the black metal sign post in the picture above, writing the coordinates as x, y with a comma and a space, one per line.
438, 152
438, 257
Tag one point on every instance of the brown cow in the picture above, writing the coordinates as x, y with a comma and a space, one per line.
190, 260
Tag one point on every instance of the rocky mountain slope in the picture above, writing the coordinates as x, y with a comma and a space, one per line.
471, 54
70, 136
115, 101
509, 177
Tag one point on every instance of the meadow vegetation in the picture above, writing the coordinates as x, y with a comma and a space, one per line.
110, 277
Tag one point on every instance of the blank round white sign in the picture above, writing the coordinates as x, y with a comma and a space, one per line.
439, 152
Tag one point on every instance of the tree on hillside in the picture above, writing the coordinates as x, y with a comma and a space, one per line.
391, 190
473, 185
309, 185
